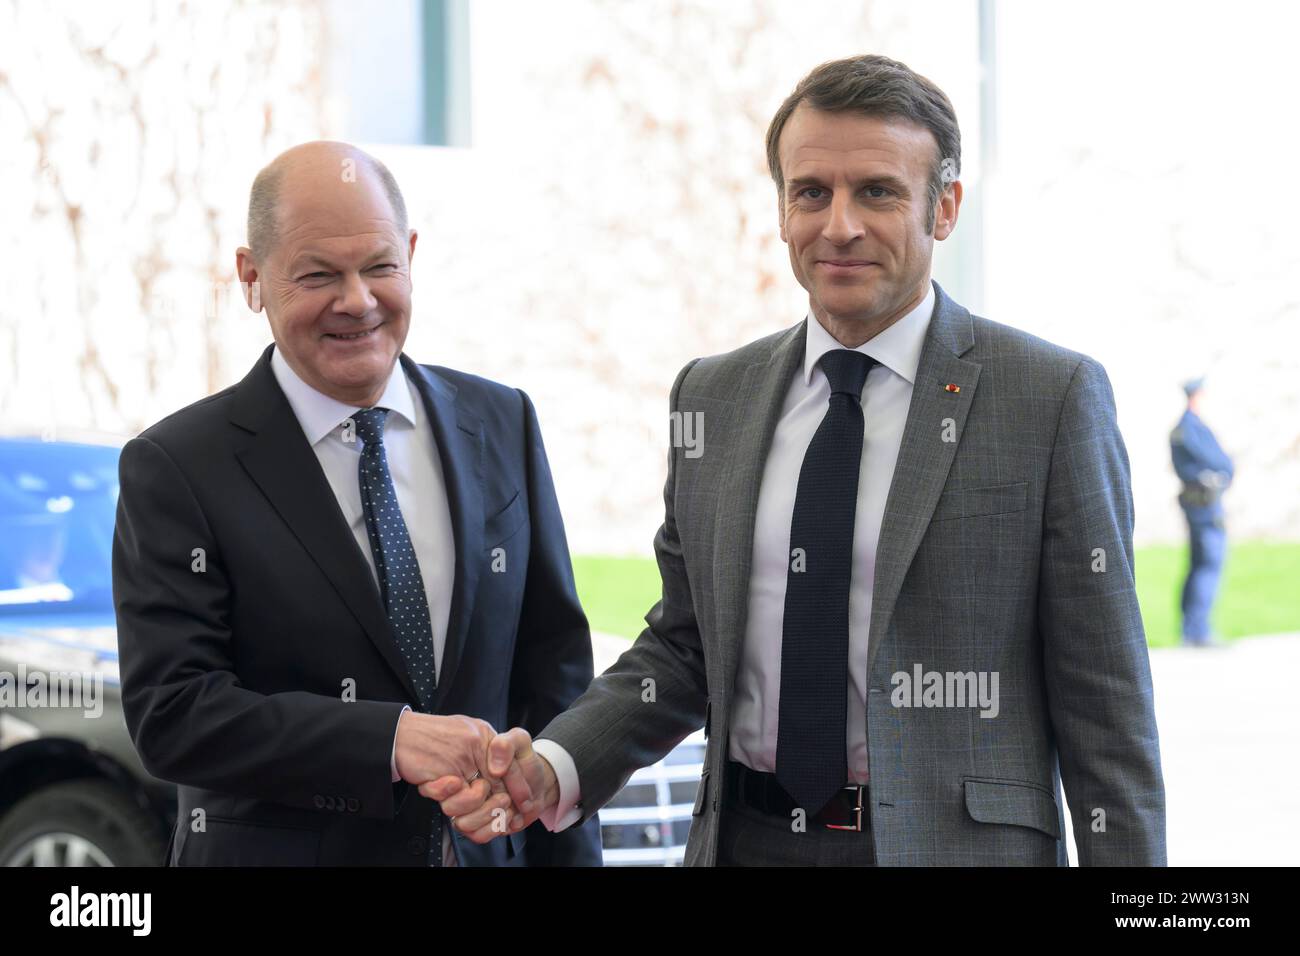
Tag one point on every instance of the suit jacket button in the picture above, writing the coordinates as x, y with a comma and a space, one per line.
319, 801
416, 845
354, 804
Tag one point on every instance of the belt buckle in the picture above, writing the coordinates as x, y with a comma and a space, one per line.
856, 826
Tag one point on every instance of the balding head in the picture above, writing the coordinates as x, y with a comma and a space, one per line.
342, 162
329, 259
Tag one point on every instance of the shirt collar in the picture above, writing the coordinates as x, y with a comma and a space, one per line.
898, 347
319, 414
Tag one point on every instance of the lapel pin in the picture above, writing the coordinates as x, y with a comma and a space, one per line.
950, 387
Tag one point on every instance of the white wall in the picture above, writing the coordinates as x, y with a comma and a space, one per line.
614, 218
1145, 216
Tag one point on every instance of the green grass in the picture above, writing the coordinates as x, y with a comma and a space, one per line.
1259, 594
616, 593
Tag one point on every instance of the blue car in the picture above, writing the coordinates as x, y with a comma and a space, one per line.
72, 790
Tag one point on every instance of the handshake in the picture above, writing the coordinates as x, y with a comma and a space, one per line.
488, 784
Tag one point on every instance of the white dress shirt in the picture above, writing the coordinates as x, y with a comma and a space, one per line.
417, 478
886, 397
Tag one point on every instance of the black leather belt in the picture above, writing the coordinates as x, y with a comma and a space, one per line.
849, 809
1198, 496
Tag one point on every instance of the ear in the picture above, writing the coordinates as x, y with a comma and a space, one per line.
780, 216
945, 220
249, 278
411, 252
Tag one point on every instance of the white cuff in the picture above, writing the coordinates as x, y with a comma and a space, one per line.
392, 761
568, 809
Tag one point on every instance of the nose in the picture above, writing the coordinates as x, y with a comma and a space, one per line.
355, 298
842, 224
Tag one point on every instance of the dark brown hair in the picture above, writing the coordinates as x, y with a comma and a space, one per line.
873, 85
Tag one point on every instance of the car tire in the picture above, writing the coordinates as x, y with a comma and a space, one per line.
80, 823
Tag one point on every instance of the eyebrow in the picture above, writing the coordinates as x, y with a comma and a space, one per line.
886, 180
305, 261
313, 259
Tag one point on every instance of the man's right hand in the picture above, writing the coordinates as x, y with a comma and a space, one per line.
432, 747
530, 782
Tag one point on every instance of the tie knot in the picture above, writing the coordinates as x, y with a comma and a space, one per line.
846, 370
370, 425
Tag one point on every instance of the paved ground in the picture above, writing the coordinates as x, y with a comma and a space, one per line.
1230, 744
1229, 723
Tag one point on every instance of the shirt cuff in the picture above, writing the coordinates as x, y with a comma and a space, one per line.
392, 761
568, 809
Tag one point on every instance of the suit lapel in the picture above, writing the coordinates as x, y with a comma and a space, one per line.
924, 458
282, 464
458, 434
759, 399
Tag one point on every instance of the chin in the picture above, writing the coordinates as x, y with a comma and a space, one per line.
854, 303
359, 370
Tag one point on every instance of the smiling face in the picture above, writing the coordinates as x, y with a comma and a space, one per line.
854, 212
336, 284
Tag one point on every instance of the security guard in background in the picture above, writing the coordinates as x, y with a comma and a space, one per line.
1205, 470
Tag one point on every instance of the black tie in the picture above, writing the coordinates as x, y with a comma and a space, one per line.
811, 759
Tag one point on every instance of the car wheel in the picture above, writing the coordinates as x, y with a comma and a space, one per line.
80, 823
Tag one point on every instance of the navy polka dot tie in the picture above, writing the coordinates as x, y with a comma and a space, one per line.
400, 583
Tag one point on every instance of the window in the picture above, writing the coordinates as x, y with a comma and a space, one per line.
401, 75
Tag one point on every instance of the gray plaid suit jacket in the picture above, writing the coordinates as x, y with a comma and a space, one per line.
1006, 550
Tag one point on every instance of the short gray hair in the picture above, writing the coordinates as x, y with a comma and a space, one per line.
874, 85
264, 199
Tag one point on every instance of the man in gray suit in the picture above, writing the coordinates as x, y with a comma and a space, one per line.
897, 572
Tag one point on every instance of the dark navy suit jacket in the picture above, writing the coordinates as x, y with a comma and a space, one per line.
234, 661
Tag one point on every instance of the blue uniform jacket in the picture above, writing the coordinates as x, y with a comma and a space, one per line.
1204, 467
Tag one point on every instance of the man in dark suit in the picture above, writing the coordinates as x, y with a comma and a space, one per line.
898, 575
335, 578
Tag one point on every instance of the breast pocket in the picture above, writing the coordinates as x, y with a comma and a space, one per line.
504, 566
502, 526
984, 500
